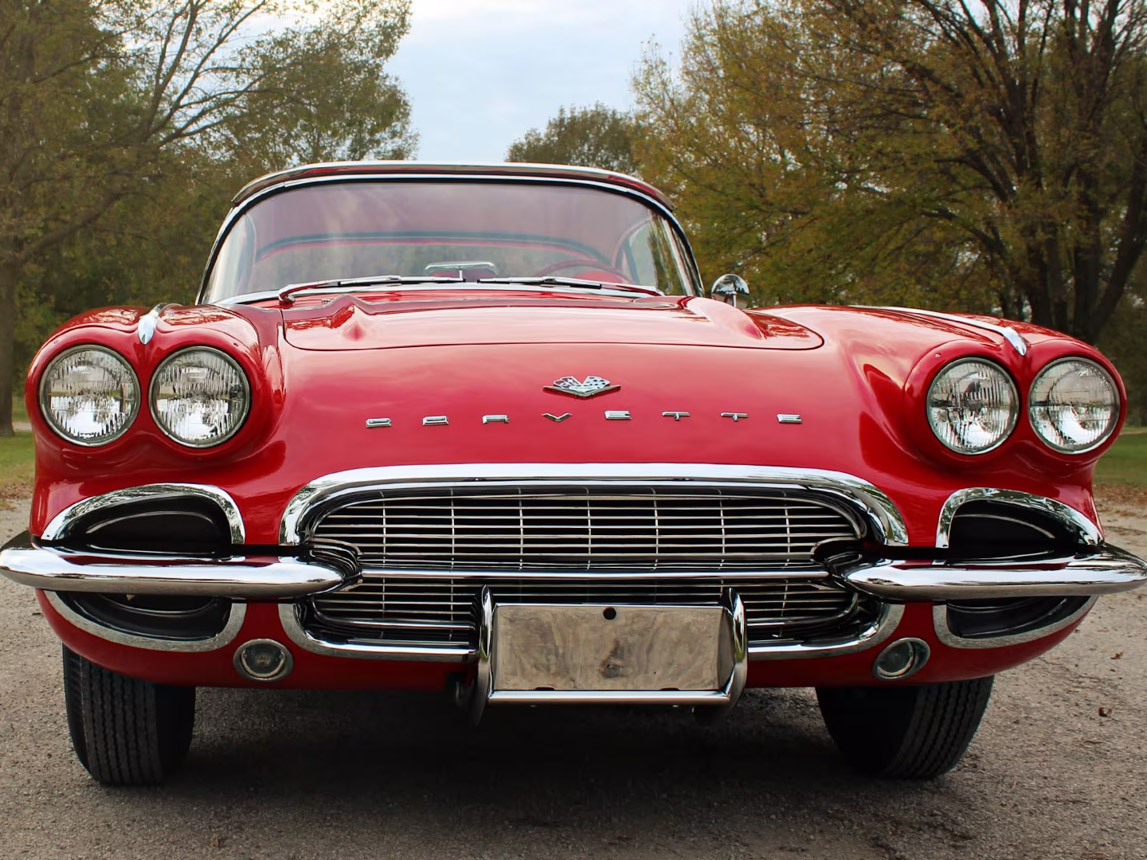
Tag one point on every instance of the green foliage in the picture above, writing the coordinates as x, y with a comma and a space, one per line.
976, 156
597, 136
1124, 341
326, 98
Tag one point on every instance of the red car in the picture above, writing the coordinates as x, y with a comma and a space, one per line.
478, 429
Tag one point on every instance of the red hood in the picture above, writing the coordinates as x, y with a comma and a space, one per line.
695, 382
403, 320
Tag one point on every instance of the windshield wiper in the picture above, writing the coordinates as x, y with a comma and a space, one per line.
548, 281
350, 285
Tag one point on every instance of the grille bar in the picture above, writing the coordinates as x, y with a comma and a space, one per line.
397, 608
585, 528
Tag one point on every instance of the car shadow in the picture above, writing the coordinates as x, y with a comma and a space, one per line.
383, 774
375, 745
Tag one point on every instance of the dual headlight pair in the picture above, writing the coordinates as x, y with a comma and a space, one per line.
973, 405
199, 396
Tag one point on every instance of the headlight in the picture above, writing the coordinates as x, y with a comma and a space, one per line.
972, 406
200, 397
89, 395
1074, 405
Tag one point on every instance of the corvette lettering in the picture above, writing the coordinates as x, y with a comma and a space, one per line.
608, 415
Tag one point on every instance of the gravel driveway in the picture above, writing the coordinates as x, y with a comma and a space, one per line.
1057, 771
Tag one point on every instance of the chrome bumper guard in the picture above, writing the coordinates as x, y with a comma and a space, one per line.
255, 577
485, 689
1104, 570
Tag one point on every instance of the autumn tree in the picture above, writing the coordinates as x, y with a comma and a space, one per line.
99, 97
597, 136
983, 155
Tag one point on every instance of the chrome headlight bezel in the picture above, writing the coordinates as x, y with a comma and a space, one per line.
50, 419
1033, 406
1013, 417
157, 376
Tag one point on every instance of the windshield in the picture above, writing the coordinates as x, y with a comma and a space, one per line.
472, 229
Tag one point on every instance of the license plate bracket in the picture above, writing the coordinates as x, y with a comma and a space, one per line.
609, 648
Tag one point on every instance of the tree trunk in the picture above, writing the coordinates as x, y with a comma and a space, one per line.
8, 276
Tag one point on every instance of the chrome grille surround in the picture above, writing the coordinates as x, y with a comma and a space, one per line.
333, 490
665, 534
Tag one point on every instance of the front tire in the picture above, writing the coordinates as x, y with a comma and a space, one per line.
126, 731
911, 732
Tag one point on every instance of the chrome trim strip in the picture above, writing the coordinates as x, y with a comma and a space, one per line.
609, 697
471, 286
1088, 531
813, 574
493, 169
149, 321
224, 637
58, 527
1107, 570
944, 632
880, 631
294, 630
268, 578
1008, 333
289, 617
325, 491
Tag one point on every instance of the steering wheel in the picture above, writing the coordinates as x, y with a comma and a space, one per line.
586, 264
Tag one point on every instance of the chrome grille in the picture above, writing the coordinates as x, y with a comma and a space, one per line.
644, 528
440, 610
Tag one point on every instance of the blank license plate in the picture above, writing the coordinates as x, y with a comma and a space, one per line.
603, 647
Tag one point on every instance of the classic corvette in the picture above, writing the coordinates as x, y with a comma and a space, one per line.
480, 430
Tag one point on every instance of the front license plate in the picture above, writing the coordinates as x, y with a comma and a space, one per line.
602, 647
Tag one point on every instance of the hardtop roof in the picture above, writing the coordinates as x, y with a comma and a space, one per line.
421, 168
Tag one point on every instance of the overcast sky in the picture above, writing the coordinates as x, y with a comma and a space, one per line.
481, 73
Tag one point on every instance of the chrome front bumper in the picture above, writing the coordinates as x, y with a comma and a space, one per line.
1102, 569
253, 577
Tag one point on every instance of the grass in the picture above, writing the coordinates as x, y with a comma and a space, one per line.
16, 466
1125, 463
16, 457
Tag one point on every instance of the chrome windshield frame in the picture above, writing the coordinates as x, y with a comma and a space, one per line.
692, 283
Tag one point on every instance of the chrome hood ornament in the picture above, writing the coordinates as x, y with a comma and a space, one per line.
592, 386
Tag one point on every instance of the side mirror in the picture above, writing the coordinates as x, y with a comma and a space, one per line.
729, 288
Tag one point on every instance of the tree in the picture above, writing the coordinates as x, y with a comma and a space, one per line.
597, 136
987, 154
98, 96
